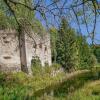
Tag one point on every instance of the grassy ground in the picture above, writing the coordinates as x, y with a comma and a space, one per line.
78, 86
91, 91
19, 86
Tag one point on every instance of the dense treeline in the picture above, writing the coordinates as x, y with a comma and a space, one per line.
70, 49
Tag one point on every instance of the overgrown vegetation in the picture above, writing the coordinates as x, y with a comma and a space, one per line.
70, 49
87, 59
91, 91
97, 52
66, 47
71, 85
7, 19
19, 86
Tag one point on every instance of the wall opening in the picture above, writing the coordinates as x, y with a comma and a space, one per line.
4, 37
7, 57
6, 41
45, 48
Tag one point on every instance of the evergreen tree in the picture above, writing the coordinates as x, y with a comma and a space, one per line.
66, 46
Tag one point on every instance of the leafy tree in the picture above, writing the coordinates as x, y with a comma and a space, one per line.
7, 20
86, 57
66, 47
22, 19
3, 22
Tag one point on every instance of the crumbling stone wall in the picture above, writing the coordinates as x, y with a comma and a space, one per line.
40, 48
35, 46
9, 51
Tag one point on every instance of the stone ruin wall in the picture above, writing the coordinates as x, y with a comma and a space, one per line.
40, 49
9, 50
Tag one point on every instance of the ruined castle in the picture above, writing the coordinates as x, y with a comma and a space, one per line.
34, 45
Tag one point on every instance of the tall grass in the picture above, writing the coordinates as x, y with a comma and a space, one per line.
19, 86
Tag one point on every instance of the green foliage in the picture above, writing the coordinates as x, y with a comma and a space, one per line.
53, 34
90, 91
3, 22
28, 16
39, 70
23, 12
97, 52
36, 66
35, 61
20, 86
72, 84
56, 66
7, 19
38, 27
66, 47
70, 50
86, 57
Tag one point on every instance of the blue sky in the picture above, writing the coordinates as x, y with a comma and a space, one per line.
83, 27
84, 31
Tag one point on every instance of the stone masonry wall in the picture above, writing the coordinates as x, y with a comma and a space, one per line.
40, 49
9, 49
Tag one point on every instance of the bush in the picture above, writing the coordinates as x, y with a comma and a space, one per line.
93, 61
39, 70
86, 58
97, 52
36, 65
35, 61
56, 66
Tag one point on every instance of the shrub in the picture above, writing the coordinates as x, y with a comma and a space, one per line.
35, 61
36, 65
56, 66
86, 58
97, 52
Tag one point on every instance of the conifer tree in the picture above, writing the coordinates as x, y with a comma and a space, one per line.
66, 47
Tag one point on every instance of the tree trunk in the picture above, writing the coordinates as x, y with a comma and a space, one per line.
22, 49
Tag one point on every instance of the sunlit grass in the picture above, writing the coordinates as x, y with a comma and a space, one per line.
90, 91
19, 86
